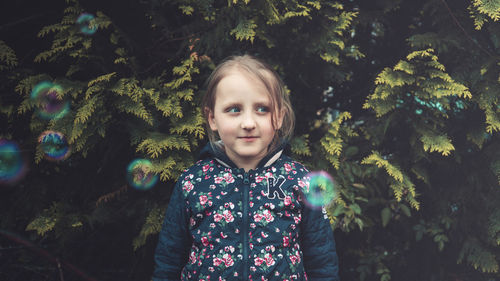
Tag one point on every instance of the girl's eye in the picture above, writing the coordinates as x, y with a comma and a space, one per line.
262, 109
233, 109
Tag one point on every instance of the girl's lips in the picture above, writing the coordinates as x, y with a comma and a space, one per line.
251, 138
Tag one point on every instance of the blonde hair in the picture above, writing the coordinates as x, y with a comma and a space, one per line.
255, 68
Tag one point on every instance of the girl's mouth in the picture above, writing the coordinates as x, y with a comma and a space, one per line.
248, 138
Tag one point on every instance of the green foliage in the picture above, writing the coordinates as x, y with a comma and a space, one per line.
400, 183
478, 256
245, 30
7, 57
483, 10
419, 83
45, 222
300, 145
332, 141
151, 226
494, 227
397, 100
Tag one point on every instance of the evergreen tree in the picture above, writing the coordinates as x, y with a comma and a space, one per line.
397, 100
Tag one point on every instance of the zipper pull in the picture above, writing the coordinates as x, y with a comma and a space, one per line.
245, 179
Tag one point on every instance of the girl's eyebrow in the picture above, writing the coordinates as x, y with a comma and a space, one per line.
263, 103
231, 104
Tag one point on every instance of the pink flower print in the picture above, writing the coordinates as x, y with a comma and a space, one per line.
258, 179
212, 186
286, 241
229, 205
264, 235
269, 259
288, 167
228, 216
268, 175
229, 249
192, 258
188, 186
253, 268
269, 217
192, 222
251, 204
288, 200
217, 217
228, 261
211, 269
228, 178
204, 241
203, 199
218, 180
258, 261
223, 235
212, 225
205, 168
252, 225
295, 258
258, 217
217, 261
296, 219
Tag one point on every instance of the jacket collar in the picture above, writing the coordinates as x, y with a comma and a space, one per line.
217, 152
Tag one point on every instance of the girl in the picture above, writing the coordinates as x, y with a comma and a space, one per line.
237, 214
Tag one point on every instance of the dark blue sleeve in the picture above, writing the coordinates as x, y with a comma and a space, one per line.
174, 242
318, 246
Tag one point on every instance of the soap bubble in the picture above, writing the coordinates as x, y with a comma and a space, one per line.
140, 174
54, 145
47, 97
87, 24
321, 189
12, 164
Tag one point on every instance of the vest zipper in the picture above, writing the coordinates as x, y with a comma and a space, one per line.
245, 202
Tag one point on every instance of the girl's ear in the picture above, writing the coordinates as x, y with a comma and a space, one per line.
211, 119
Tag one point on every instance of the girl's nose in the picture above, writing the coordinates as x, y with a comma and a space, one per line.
248, 122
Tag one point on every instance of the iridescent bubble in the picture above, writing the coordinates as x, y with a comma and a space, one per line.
140, 174
87, 24
321, 190
50, 104
54, 145
12, 164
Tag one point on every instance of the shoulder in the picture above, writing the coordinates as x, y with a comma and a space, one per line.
196, 173
289, 165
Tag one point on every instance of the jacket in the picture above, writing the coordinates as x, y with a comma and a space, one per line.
223, 223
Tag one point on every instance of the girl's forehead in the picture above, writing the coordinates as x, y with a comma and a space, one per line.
239, 85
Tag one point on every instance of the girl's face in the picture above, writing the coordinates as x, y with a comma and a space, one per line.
242, 118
